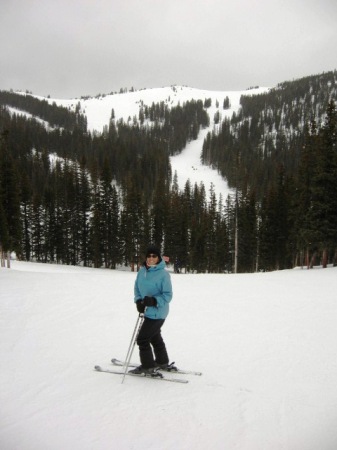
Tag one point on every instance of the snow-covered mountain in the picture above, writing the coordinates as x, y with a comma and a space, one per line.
127, 105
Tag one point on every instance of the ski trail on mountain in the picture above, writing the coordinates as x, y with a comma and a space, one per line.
188, 166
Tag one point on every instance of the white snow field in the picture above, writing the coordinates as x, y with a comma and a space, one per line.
266, 344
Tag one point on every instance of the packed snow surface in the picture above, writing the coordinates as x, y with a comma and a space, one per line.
266, 344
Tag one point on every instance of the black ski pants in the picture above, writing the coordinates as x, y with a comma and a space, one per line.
150, 337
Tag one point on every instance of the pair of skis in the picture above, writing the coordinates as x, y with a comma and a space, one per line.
158, 375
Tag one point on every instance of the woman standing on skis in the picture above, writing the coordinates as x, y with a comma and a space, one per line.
152, 295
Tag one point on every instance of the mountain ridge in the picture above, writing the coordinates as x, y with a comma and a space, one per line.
127, 104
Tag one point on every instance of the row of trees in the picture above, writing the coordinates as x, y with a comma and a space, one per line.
269, 131
103, 197
79, 220
282, 147
56, 116
76, 220
298, 217
131, 149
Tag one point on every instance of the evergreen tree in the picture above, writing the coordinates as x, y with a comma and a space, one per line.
247, 217
230, 220
84, 215
176, 226
26, 208
9, 198
273, 232
114, 237
211, 236
95, 228
221, 236
322, 214
133, 219
110, 219
159, 212
4, 236
198, 250
57, 229
37, 229
301, 201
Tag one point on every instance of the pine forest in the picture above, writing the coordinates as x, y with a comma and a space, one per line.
71, 196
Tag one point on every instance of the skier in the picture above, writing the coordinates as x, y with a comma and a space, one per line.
153, 293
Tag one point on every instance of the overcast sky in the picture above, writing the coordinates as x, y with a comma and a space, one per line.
70, 48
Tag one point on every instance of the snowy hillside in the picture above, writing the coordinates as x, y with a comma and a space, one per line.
266, 344
126, 106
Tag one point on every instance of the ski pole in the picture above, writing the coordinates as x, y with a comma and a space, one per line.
139, 323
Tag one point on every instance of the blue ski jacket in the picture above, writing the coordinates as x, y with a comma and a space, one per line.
154, 282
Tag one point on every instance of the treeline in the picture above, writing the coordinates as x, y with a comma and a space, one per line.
131, 150
268, 132
177, 125
80, 219
56, 116
71, 197
62, 179
280, 149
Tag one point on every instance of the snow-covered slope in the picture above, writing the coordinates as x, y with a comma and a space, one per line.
126, 106
266, 344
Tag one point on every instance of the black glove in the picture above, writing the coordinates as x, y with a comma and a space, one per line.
149, 301
140, 306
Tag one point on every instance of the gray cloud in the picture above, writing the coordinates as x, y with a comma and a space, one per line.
69, 48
